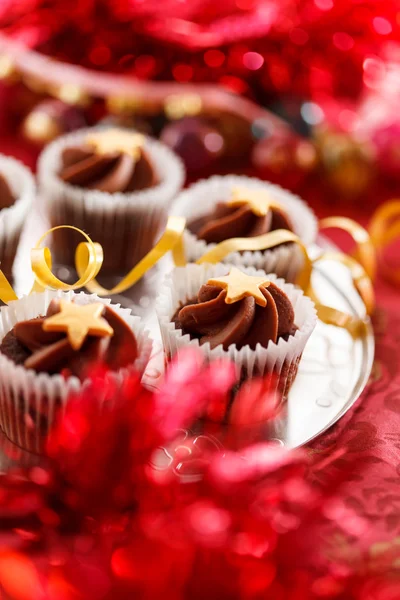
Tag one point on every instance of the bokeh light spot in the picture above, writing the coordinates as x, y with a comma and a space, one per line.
343, 41
382, 25
299, 36
234, 84
145, 66
253, 61
100, 55
374, 71
213, 142
324, 4
214, 58
182, 72
312, 113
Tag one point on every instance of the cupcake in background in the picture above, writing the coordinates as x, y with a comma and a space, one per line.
224, 207
50, 344
17, 191
114, 184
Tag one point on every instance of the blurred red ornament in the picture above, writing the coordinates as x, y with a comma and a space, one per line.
284, 158
197, 143
221, 524
348, 163
387, 144
302, 48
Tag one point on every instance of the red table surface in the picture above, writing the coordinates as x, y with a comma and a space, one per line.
370, 432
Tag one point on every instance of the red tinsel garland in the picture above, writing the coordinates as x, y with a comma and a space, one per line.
127, 506
298, 47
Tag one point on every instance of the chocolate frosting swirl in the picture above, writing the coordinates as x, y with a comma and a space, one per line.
114, 172
227, 222
7, 198
51, 352
210, 319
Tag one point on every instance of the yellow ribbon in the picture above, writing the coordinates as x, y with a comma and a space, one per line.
87, 254
327, 314
89, 259
384, 229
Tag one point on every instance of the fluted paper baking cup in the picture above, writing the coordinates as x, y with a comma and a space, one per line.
12, 219
200, 199
279, 360
125, 224
28, 400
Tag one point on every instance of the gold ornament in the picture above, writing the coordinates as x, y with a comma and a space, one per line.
73, 94
112, 141
41, 127
259, 201
177, 106
8, 70
238, 285
348, 162
79, 321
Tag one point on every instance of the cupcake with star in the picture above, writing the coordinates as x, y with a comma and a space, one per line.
255, 319
50, 345
114, 184
17, 192
225, 207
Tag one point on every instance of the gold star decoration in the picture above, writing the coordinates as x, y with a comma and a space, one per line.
238, 285
78, 321
258, 200
111, 141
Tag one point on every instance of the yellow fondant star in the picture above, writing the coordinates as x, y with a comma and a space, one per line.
238, 285
78, 321
258, 200
111, 141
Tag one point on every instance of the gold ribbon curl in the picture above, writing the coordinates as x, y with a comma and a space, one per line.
88, 262
327, 314
384, 228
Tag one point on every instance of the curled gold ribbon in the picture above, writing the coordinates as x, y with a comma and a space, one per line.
87, 254
384, 229
327, 314
261, 242
170, 240
365, 251
89, 259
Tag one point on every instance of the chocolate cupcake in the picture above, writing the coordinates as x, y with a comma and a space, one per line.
17, 191
258, 321
50, 344
222, 208
114, 184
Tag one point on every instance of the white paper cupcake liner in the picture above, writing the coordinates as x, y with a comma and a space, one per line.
279, 360
23, 392
128, 223
199, 200
12, 219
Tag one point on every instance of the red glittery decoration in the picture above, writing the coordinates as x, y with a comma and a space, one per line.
129, 504
302, 47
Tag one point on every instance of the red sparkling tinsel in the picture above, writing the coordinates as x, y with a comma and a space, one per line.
297, 47
130, 504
